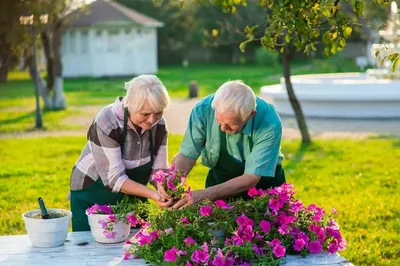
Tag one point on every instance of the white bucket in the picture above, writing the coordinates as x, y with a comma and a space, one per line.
122, 229
46, 233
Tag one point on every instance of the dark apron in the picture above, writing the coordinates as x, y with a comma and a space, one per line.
97, 193
228, 167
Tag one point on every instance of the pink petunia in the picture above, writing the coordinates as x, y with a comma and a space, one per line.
159, 176
274, 204
252, 192
315, 247
258, 250
185, 220
105, 209
168, 231
200, 256
244, 220
94, 209
274, 242
283, 229
299, 244
222, 204
206, 210
189, 241
279, 251
333, 247
132, 219
154, 235
265, 226
171, 185
342, 244
170, 255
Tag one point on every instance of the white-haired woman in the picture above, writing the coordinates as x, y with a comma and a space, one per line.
239, 137
127, 141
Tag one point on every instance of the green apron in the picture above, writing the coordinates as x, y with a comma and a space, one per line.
228, 167
97, 192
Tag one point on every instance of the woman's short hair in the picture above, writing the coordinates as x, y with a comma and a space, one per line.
235, 96
146, 89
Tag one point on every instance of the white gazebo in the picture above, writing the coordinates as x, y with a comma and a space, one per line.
105, 38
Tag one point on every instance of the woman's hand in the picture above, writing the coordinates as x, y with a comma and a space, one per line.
161, 201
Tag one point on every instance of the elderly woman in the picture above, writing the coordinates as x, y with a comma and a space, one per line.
127, 141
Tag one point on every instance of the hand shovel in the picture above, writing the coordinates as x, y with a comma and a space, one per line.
43, 209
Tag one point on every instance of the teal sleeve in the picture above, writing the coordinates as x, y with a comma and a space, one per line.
263, 159
195, 136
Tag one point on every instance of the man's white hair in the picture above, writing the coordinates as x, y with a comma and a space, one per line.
146, 89
235, 96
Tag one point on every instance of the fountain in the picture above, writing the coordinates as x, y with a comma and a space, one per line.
374, 94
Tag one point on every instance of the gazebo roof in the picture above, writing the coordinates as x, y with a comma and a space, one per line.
103, 11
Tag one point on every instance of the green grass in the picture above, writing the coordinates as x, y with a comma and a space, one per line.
360, 178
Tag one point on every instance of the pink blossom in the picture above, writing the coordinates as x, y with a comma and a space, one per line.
110, 235
188, 264
93, 209
204, 247
189, 241
295, 206
333, 247
265, 226
244, 220
185, 220
252, 192
154, 235
188, 193
334, 211
342, 244
168, 231
206, 210
274, 242
279, 251
171, 185
299, 244
283, 229
333, 224
315, 247
274, 204
229, 262
200, 256
104, 223
257, 250
105, 209
159, 176
127, 255
304, 236
261, 192
170, 255
222, 204
132, 219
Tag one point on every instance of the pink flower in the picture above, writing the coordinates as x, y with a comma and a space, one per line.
170, 255
279, 251
200, 256
299, 244
342, 244
189, 241
274, 242
110, 235
93, 209
252, 192
257, 250
283, 229
222, 204
206, 210
168, 231
154, 235
295, 206
315, 247
171, 185
274, 204
333, 247
185, 220
104, 223
188, 193
105, 209
244, 220
127, 255
265, 226
132, 219
334, 211
159, 176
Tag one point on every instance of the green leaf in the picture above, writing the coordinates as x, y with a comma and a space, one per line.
334, 48
358, 7
347, 32
287, 38
395, 64
243, 46
377, 53
383, 60
341, 43
326, 38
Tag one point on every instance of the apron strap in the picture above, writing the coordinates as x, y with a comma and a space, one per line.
125, 133
251, 136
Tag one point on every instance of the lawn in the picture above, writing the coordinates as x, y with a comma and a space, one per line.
17, 103
360, 178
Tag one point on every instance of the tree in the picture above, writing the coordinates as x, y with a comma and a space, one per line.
299, 24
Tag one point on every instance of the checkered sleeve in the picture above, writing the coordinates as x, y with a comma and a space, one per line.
108, 162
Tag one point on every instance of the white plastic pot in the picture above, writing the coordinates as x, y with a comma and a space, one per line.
47, 233
122, 229
219, 233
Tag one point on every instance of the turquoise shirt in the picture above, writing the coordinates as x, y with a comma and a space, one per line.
203, 137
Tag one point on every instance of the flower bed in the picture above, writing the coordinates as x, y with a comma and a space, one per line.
261, 230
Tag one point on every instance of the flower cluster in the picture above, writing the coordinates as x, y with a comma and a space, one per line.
121, 212
174, 180
262, 230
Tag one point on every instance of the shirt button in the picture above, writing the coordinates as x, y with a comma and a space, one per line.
138, 142
211, 150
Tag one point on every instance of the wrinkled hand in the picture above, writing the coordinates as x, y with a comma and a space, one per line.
162, 201
196, 197
161, 191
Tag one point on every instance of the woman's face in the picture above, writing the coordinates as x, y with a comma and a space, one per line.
146, 117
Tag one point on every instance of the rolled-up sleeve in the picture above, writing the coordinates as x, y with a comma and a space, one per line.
107, 158
263, 159
195, 135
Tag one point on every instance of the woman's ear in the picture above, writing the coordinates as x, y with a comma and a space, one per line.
253, 113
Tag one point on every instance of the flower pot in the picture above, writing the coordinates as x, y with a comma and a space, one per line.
121, 229
47, 233
219, 233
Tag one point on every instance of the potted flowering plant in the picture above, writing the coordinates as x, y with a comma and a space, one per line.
112, 223
174, 180
262, 230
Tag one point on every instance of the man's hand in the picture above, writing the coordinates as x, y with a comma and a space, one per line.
196, 197
162, 201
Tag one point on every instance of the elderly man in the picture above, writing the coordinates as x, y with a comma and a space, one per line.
238, 136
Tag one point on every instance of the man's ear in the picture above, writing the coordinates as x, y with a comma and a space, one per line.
253, 113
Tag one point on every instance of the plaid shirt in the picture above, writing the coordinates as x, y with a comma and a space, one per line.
101, 156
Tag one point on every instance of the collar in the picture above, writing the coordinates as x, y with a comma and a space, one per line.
247, 128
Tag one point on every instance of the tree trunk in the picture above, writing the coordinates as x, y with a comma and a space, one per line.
301, 122
49, 58
3, 73
6, 57
59, 101
235, 54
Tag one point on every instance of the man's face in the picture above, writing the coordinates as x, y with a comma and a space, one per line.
230, 122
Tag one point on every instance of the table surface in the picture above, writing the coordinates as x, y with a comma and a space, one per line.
81, 249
